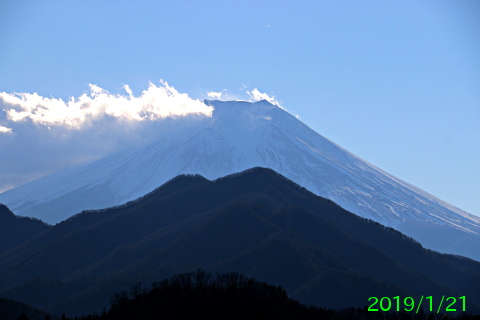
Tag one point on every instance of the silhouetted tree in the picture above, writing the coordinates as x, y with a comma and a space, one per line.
136, 290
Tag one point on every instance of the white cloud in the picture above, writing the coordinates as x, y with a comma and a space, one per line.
215, 95
256, 95
5, 129
154, 103
223, 95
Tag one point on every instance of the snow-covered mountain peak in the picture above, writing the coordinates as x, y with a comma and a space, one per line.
242, 112
240, 135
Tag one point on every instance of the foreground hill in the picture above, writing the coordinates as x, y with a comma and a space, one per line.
257, 223
242, 135
201, 295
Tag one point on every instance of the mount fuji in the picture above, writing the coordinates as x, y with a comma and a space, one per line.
241, 135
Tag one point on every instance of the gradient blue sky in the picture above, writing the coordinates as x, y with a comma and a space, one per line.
396, 83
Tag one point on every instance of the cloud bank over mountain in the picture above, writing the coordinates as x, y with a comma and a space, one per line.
154, 103
45, 134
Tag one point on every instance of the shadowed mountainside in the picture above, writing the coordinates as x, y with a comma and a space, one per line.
15, 230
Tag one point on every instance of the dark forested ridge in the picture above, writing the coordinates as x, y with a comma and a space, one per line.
15, 230
256, 222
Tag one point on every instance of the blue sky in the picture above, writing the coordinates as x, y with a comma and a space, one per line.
396, 83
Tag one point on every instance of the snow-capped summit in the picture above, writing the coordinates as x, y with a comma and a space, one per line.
242, 135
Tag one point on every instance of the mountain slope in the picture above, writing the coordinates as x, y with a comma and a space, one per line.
15, 230
256, 222
241, 135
